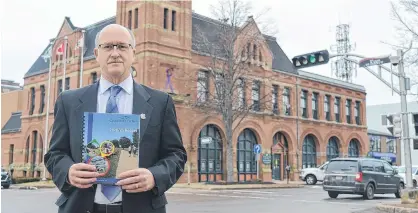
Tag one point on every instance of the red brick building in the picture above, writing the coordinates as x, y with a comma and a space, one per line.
331, 120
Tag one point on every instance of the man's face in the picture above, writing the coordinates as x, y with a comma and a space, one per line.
115, 61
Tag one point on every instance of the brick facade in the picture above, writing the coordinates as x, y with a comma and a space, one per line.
159, 49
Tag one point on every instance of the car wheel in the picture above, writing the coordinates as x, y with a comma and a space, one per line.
333, 194
369, 193
415, 184
399, 192
6, 186
311, 180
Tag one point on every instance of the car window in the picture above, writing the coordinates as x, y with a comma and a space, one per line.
342, 166
388, 168
367, 165
378, 166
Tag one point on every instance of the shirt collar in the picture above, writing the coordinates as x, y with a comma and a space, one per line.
127, 85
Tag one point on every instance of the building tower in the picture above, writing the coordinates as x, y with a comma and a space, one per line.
162, 32
342, 68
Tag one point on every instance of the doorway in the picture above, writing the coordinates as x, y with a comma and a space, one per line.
276, 167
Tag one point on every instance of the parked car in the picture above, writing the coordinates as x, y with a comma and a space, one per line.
363, 176
6, 179
402, 172
312, 175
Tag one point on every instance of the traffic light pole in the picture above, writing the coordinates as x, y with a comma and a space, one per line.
405, 127
404, 109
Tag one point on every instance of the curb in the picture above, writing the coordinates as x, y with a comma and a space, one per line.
395, 209
32, 187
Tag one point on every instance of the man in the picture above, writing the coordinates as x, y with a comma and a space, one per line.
161, 153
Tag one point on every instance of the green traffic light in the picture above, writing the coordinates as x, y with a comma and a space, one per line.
312, 59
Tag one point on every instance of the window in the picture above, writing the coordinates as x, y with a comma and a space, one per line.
202, 86
357, 112
327, 108
173, 20
260, 57
34, 148
337, 109
136, 18
59, 88
11, 153
67, 83
367, 165
388, 168
27, 150
391, 144
353, 148
32, 100
130, 19
378, 166
254, 51
94, 77
210, 153
374, 143
41, 107
256, 96
303, 103
332, 148
274, 99
286, 101
219, 87
309, 152
315, 105
165, 18
241, 93
246, 162
348, 110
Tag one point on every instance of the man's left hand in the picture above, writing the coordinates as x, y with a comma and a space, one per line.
136, 180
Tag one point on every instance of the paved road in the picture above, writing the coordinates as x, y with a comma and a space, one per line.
308, 199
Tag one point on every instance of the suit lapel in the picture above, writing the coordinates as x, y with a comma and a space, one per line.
87, 103
141, 107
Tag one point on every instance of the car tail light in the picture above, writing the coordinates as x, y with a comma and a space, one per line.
359, 177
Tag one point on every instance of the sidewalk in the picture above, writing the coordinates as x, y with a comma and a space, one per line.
276, 184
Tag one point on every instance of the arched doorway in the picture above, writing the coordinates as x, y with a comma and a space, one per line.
210, 151
246, 162
309, 152
280, 156
353, 148
332, 148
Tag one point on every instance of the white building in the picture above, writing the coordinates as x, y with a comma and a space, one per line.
374, 121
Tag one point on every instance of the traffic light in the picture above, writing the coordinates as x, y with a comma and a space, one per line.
395, 124
311, 59
415, 123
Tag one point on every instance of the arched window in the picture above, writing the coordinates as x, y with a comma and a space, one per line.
332, 148
246, 163
34, 148
353, 148
209, 153
309, 152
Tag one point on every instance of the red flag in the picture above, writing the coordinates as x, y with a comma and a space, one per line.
60, 49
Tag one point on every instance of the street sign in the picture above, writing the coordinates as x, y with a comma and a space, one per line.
266, 159
257, 149
366, 62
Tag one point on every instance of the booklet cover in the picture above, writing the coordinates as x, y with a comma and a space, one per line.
111, 143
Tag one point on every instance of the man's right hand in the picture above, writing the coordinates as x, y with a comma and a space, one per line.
82, 175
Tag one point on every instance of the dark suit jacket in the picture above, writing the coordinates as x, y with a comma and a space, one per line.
161, 148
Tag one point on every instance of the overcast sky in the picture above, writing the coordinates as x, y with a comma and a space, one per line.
302, 25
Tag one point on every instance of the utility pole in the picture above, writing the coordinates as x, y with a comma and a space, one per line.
405, 126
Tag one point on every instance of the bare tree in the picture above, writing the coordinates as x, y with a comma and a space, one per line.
405, 13
232, 54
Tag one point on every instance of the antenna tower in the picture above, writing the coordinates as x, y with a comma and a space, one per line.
342, 68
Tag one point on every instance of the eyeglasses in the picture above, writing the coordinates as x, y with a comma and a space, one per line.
109, 47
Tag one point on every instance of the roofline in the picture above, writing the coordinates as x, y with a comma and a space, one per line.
330, 82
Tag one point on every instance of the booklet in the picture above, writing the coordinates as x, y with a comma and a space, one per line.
111, 143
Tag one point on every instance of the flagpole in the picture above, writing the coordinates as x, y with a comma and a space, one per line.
47, 107
65, 62
82, 60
